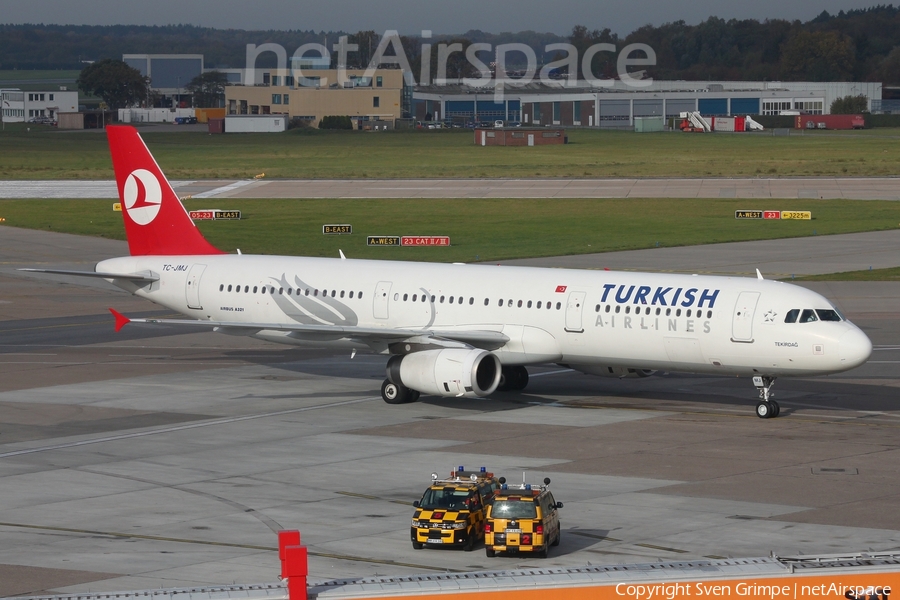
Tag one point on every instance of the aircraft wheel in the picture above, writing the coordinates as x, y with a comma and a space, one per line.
776, 408
764, 410
520, 378
393, 393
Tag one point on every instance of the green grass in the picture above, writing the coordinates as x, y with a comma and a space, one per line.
29, 75
44, 153
892, 274
480, 230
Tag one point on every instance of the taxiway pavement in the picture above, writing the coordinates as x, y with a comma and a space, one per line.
850, 188
155, 458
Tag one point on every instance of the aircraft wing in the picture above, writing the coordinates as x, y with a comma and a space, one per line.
136, 277
479, 338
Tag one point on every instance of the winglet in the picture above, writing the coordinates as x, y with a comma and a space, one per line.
121, 320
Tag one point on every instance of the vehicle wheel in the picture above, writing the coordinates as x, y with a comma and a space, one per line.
393, 393
417, 545
489, 552
520, 378
776, 408
542, 553
470, 544
556, 541
763, 410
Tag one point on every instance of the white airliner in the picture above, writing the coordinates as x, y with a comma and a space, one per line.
458, 330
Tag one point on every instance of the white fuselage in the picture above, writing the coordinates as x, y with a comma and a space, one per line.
601, 322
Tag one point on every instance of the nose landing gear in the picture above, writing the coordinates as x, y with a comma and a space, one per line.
767, 408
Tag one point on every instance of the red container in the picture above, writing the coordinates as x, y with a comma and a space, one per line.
829, 122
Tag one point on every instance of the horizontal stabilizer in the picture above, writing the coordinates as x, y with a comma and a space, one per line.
121, 320
138, 277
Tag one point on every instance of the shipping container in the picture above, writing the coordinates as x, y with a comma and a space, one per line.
829, 122
722, 123
255, 123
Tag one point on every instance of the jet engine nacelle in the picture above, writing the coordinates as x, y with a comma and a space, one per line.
451, 372
620, 372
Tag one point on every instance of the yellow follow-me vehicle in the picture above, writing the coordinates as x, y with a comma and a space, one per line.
452, 511
522, 518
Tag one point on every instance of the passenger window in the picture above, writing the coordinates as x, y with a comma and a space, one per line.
405, 297
442, 299
229, 287
263, 289
678, 313
396, 297
827, 314
509, 303
450, 300
607, 308
342, 294
618, 308
688, 312
432, 298
306, 293
668, 311
808, 316
291, 291
351, 295
558, 306
315, 292
791, 316
486, 301
709, 314
246, 289
519, 304
658, 310
471, 301
254, 289
359, 296
221, 286
627, 310
459, 300
539, 304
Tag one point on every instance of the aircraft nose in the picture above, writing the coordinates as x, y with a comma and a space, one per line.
855, 348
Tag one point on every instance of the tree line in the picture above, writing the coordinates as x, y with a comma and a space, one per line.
856, 45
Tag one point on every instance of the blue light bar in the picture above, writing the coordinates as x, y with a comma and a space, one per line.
484, 469
461, 468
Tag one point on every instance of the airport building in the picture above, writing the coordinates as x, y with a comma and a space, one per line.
37, 106
616, 105
169, 73
378, 97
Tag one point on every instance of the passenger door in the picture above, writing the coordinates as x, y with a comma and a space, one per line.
382, 295
574, 306
742, 318
192, 287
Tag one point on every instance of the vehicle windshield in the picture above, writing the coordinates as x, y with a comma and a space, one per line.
514, 509
828, 314
446, 498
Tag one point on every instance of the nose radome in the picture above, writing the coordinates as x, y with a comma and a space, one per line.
855, 348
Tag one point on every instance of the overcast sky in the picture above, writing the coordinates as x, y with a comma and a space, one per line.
411, 16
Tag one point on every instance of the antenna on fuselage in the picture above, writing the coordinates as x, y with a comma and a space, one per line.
341, 252
758, 274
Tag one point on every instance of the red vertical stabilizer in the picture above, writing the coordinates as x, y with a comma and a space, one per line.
156, 223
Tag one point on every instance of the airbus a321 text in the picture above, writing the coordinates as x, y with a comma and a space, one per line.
458, 330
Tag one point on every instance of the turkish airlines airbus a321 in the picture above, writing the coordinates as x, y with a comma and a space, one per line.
458, 330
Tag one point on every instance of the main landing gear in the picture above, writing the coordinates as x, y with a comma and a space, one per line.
395, 393
513, 378
767, 408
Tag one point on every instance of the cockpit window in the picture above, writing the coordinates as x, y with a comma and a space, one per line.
808, 316
827, 314
791, 316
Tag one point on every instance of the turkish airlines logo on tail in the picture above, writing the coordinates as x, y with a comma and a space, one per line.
143, 196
